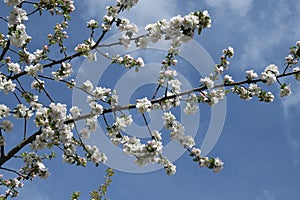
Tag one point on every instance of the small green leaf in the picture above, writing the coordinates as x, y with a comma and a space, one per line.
298, 52
199, 30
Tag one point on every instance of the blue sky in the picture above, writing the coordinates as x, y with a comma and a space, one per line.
260, 143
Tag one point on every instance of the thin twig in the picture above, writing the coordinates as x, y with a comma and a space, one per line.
146, 123
44, 89
2, 145
14, 171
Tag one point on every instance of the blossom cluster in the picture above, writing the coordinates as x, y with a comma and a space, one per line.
112, 14
64, 7
59, 35
216, 164
6, 85
269, 74
143, 105
128, 61
13, 2
12, 185
33, 166
56, 123
177, 130
130, 30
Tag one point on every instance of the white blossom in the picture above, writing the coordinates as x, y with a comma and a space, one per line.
4, 111
38, 84
64, 72
92, 24
75, 111
218, 165
14, 67
92, 123
169, 119
285, 91
87, 86
32, 70
207, 82
254, 89
187, 141
21, 111
6, 85
125, 25
272, 68
228, 79
17, 16
143, 105
297, 75
123, 122
6, 125
196, 151
85, 133
156, 135
19, 37
170, 169
125, 41
97, 109
269, 78
175, 84
13, 2
251, 74
100, 93
192, 104
92, 56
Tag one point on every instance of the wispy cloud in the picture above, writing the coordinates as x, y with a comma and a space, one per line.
141, 14
95, 8
265, 195
291, 102
291, 108
268, 31
32, 192
257, 30
294, 143
240, 7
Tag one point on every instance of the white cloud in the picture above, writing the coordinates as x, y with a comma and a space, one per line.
141, 14
291, 108
292, 101
95, 8
240, 7
32, 192
294, 143
268, 31
265, 195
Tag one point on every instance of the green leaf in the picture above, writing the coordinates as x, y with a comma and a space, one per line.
298, 52
199, 30
75, 195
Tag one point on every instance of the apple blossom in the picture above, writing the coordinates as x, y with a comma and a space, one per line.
207, 82
143, 105
56, 123
6, 125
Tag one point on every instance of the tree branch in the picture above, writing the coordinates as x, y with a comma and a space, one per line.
5, 50
16, 149
159, 100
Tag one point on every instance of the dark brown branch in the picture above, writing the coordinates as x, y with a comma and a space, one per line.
44, 89
5, 50
16, 149
2, 145
11, 170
